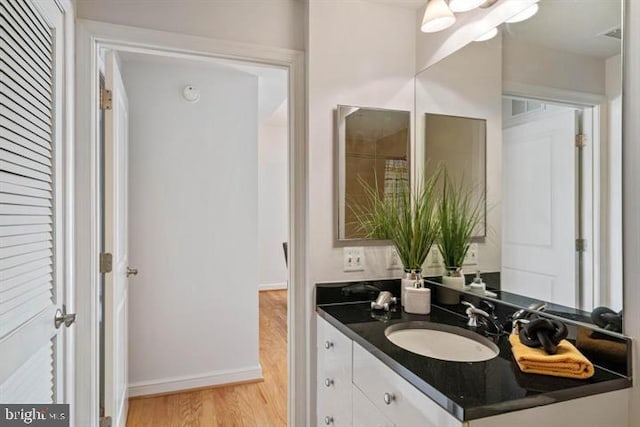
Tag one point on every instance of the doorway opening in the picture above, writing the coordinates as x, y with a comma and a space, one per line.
551, 181
195, 214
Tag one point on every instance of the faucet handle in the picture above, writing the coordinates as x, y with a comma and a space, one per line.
467, 303
488, 307
473, 312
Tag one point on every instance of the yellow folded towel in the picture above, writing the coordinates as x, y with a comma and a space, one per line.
567, 362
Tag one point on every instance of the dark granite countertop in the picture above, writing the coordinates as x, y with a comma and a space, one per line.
466, 390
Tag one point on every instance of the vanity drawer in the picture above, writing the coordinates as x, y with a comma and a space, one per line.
334, 379
365, 414
333, 345
399, 401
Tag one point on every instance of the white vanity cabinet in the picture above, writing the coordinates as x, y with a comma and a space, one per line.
397, 400
334, 394
356, 389
365, 414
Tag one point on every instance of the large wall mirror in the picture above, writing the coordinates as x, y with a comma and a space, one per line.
372, 147
550, 90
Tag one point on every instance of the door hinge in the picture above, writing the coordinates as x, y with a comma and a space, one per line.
581, 245
106, 99
106, 262
105, 421
581, 140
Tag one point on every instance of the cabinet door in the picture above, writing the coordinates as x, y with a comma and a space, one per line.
334, 377
396, 399
365, 414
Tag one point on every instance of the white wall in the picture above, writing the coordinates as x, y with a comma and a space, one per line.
193, 225
278, 23
529, 64
631, 193
469, 83
612, 187
273, 198
359, 53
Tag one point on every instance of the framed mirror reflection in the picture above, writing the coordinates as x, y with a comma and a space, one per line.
372, 148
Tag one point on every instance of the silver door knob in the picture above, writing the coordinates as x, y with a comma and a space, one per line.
63, 317
328, 420
388, 398
328, 382
132, 271
328, 344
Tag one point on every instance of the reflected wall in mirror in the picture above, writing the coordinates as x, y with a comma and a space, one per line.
372, 146
551, 91
459, 144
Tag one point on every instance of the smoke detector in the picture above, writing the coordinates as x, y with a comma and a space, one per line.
191, 93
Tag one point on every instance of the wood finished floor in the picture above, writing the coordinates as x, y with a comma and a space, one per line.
262, 404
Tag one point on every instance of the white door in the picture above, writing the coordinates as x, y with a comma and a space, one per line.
116, 243
34, 260
539, 208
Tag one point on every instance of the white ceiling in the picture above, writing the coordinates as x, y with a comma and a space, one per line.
572, 26
406, 4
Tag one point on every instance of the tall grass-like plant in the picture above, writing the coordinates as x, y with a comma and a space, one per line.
407, 218
459, 213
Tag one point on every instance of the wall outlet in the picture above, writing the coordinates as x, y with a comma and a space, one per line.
434, 259
472, 255
353, 259
393, 260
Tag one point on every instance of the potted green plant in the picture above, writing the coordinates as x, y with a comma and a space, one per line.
407, 218
459, 212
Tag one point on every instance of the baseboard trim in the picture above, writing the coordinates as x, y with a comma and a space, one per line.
190, 382
272, 286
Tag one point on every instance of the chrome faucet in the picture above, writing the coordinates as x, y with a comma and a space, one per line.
521, 316
473, 312
384, 301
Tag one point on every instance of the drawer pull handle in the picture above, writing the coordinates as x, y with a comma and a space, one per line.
328, 382
328, 420
328, 344
388, 398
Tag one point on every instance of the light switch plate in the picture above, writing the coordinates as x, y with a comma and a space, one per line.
353, 259
393, 260
434, 259
472, 255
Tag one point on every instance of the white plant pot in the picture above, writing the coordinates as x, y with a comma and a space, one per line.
452, 279
454, 282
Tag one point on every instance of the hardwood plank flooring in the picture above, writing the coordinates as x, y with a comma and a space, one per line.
261, 404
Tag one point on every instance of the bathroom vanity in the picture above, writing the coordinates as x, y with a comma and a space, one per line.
363, 379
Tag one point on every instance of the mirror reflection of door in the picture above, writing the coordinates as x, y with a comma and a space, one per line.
540, 215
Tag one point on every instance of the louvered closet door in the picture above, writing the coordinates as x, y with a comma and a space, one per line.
31, 216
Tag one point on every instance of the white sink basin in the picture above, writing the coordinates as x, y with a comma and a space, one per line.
442, 342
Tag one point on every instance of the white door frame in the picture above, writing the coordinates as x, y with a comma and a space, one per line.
68, 197
93, 36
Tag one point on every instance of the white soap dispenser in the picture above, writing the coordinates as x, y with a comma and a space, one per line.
477, 286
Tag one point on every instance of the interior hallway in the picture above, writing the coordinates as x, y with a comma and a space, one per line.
262, 404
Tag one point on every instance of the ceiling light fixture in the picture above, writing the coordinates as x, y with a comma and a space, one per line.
488, 35
464, 5
437, 17
524, 15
